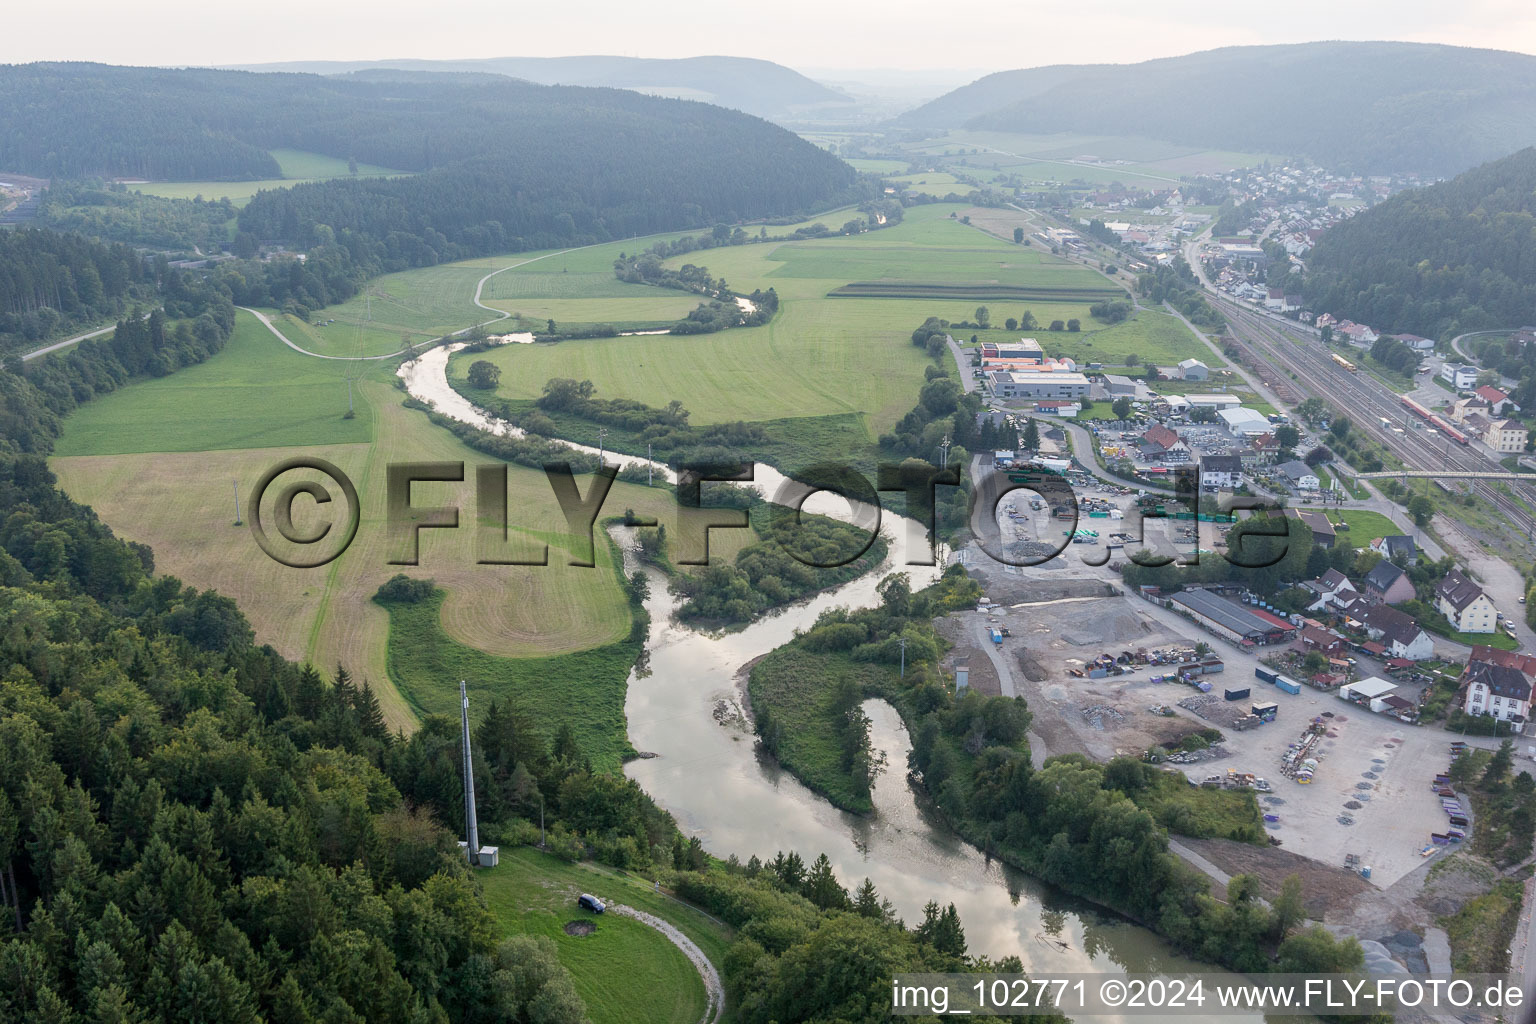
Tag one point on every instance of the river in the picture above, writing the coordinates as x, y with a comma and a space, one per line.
684, 710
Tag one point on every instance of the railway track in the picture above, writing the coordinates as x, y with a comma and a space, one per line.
1367, 401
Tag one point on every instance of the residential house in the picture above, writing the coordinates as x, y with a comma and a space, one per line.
1359, 335
1325, 641
1221, 472
1262, 450
1497, 683
1417, 343
1331, 589
1498, 401
1460, 376
1507, 436
1387, 584
1323, 533
1400, 636
1462, 601
1472, 405
1396, 547
1300, 475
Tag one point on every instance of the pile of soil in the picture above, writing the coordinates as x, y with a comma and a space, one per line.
580, 928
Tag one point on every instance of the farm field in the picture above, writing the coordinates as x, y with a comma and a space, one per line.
815, 358
535, 893
1150, 335
297, 167
159, 466
878, 166
933, 183
1052, 157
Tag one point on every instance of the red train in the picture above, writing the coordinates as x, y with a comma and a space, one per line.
1448, 430
1417, 409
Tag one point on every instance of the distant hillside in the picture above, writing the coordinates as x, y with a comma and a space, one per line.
1458, 256
1367, 107
755, 86
505, 165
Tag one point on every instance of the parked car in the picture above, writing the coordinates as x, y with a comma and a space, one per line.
589, 902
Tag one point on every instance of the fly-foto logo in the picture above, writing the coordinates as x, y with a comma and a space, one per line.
316, 511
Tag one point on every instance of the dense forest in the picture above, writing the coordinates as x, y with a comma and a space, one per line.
1367, 107
50, 282
1457, 256
112, 213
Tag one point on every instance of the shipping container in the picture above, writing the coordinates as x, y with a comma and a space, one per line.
1238, 694
1265, 674
1210, 666
1266, 710
997, 637
1288, 685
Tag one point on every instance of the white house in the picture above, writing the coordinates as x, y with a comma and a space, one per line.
1498, 683
1332, 588
1464, 603
1223, 472
1460, 376
1398, 631
1300, 475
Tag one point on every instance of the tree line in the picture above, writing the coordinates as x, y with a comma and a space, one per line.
51, 282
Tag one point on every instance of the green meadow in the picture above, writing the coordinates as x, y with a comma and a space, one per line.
625, 971
256, 393
296, 166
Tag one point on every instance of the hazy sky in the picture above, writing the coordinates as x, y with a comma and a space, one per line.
988, 36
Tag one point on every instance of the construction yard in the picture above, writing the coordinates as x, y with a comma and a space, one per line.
1085, 656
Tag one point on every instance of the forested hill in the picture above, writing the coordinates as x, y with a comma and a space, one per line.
80, 120
566, 166
1368, 107
758, 87
1458, 256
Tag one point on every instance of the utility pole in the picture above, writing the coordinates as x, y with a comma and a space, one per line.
472, 826
237, 502
944, 453
649, 465
602, 433
902, 643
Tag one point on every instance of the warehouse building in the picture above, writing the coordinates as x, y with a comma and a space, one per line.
1023, 384
1240, 623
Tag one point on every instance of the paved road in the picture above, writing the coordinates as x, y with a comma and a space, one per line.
55, 346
